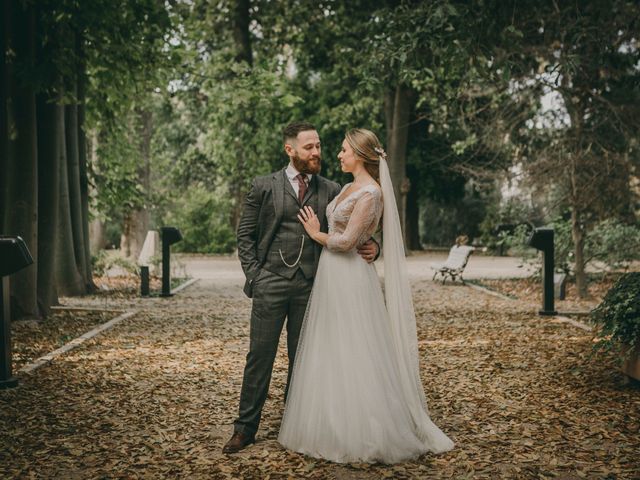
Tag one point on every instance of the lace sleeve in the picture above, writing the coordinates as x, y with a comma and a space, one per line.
362, 223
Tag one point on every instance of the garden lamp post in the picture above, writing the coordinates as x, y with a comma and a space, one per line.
170, 235
14, 256
542, 239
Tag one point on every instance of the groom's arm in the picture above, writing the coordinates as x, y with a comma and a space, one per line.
370, 250
247, 234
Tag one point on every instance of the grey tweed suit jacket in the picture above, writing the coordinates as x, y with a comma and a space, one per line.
262, 215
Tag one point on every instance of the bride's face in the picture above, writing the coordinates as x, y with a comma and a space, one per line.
349, 161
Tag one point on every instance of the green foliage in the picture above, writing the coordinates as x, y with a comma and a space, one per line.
610, 244
514, 213
203, 219
614, 243
619, 315
476, 71
105, 260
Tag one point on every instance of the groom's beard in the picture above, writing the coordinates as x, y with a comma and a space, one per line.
311, 166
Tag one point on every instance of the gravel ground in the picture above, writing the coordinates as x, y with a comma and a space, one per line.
155, 397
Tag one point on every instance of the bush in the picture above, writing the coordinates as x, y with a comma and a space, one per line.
614, 243
105, 260
517, 216
619, 315
203, 219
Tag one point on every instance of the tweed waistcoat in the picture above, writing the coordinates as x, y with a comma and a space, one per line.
288, 244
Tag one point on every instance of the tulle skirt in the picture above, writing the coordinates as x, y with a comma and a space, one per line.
345, 402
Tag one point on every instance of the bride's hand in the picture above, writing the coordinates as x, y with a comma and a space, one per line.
309, 220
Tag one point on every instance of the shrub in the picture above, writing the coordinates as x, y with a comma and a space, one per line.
203, 219
618, 316
105, 260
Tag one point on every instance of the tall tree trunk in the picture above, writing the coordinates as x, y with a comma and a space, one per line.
577, 230
398, 106
84, 178
97, 229
244, 53
73, 181
5, 18
50, 149
577, 194
241, 34
413, 217
21, 217
68, 277
136, 222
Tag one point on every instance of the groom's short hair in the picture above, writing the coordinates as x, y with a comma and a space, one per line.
291, 131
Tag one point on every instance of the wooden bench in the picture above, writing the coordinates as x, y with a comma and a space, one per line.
455, 264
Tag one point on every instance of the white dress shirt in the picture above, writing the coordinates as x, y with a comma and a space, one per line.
292, 173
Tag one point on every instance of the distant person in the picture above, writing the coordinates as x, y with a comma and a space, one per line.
461, 240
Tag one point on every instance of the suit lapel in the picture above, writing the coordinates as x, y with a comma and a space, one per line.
323, 199
313, 188
289, 188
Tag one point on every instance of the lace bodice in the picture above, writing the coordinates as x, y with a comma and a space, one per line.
354, 219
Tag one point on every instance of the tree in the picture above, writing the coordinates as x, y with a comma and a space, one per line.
49, 51
586, 56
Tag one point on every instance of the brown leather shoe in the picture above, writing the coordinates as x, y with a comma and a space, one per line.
237, 442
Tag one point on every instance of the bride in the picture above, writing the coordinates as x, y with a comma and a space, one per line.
355, 393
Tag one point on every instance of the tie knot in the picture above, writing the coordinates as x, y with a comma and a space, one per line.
301, 179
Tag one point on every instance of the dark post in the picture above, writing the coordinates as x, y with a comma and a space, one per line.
14, 256
170, 235
542, 239
144, 280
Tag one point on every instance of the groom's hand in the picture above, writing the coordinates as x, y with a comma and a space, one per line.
368, 250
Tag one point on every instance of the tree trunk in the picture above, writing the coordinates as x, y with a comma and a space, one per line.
241, 34
82, 165
97, 236
5, 18
68, 277
50, 145
578, 235
75, 196
97, 230
398, 106
413, 217
21, 201
136, 222
244, 53
577, 228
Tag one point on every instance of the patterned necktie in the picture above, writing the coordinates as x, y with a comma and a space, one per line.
302, 186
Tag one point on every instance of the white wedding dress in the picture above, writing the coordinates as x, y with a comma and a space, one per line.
355, 393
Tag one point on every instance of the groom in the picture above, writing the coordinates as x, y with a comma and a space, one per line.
279, 261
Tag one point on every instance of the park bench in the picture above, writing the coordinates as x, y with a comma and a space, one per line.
455, 264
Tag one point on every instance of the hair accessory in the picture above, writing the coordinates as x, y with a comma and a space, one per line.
382, 154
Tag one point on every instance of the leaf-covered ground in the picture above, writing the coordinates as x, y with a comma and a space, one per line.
530, 290
32, 339
155, 397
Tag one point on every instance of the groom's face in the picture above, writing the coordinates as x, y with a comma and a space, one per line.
305, 153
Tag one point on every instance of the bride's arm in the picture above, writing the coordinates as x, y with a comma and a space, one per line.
363, 216
311, 224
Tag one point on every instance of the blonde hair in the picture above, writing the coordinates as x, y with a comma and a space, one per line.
366, 145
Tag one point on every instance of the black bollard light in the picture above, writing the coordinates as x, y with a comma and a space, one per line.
542, 239
14, 256
170, 235
144, 280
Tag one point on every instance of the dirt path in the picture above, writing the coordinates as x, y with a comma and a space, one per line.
156, 396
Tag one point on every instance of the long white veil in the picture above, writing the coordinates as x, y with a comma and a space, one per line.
402, 316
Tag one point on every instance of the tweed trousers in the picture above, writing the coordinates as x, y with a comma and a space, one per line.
275, 299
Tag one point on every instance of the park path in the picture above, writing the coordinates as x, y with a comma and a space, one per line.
155, 396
